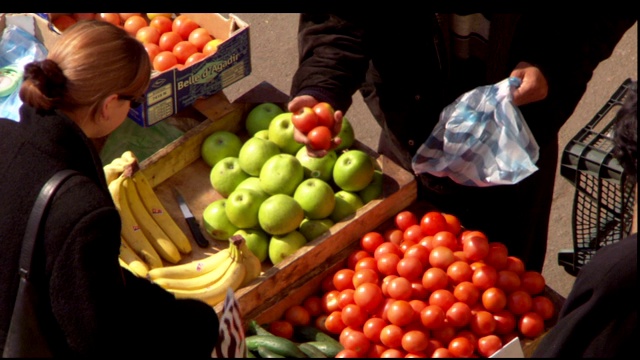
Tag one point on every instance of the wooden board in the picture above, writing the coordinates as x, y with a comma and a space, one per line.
179, 165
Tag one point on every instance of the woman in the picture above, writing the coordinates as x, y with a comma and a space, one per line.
83, 90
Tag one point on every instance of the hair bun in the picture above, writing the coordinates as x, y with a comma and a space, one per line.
47, 76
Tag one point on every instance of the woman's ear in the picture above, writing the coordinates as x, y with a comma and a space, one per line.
108, 106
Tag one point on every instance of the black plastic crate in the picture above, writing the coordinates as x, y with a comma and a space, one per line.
604, 197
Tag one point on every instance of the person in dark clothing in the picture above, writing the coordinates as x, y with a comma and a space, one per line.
83, 90
407, 73
600, 316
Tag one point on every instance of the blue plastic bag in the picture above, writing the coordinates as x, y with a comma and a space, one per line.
480, 140
17, 48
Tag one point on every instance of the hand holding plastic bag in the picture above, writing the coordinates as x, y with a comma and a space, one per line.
480, 140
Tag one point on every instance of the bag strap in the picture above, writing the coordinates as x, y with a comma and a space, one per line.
34, 223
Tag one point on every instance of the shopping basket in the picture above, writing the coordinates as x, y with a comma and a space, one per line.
604, 196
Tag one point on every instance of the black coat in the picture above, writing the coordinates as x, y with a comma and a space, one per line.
95, 307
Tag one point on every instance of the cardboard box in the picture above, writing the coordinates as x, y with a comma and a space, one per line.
174, 90
33, 24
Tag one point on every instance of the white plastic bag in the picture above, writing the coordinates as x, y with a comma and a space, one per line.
480, 140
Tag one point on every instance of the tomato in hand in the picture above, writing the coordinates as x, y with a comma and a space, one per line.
432, 222
304, 119
320, 138
325, 113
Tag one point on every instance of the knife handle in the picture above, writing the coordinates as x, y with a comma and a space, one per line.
197, 234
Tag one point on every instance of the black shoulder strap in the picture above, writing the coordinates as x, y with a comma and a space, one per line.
34, 223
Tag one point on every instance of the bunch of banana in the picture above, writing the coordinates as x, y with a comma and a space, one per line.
117, 165
132, 260
208, 279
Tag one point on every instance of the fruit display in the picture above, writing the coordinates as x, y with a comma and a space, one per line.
420, 286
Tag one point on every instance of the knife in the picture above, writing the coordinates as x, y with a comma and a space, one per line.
191, 221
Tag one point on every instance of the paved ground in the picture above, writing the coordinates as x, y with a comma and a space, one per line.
274, 59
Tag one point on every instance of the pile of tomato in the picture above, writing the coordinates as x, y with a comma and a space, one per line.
426, 287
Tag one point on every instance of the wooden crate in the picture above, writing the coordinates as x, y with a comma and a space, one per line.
179, 165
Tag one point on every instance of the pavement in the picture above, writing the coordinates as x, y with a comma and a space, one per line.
274, 59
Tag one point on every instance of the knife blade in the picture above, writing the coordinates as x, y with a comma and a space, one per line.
191, 221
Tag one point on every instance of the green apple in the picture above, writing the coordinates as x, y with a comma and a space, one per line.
260, 116
253, 183
257, 241
216, 222
281, 246
374, 189
280, 214
316, 197
346, 134
254, 152
226, 175
353, 170
347, 203
219, 145
242, 207
281, 131
313, 228
317, 167
281, 174
262, 134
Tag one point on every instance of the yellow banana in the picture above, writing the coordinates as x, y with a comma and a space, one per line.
156, 236
251, 262
130, 231
216, 292
117, 165
133, 261
190, 269
197, 282
158, 212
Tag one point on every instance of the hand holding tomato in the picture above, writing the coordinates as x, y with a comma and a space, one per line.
323, 140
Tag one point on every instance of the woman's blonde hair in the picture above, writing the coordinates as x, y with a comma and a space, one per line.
91, 60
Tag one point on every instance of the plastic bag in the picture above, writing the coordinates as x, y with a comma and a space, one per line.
480, 140
17, 49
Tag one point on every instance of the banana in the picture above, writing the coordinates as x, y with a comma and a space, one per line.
216, 292
251, 262
156, 236
117, 165
197, 282
190, 269
131, 232
133, 261
158, 212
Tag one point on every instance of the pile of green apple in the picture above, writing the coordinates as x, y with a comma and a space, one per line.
273, 193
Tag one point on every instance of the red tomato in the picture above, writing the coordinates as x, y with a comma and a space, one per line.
304, 119
461, 347
355, 256
458, 272
194, 58
453, 223
392, 354
475, 248
432, 317
399, 288
327, 282
460, 256
488, 345
281, 328
371, 240
419, 252
372, 328
413, 233
410, 268
152, 50
400, 313
148, 34
313, 304
494, 299
531, 324
183, 25
320, 138
343, 279
508, 281
467, 293
83, 16
443, 298
444, 334
134, 23
368, 262
482, 323
532, 282
434, 279
505, 321
395, 236
346, 297
162, 23
418, 292
113, 18
404, 219
365, 276
484, 277
376, 350
519, 302
330, 301
368, 296
445, 238
385, 284
357, 342
387, 247
543, 306
169, 40
354, 316
458, 314
183, 50
497, 256
164, 61
388, 263
441, 257
433, 222
415, 341
515, 264
297, 315
406, 245
199, 37
333, 323
347, 354
391, 336
324, 111
426, 241
442, 353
